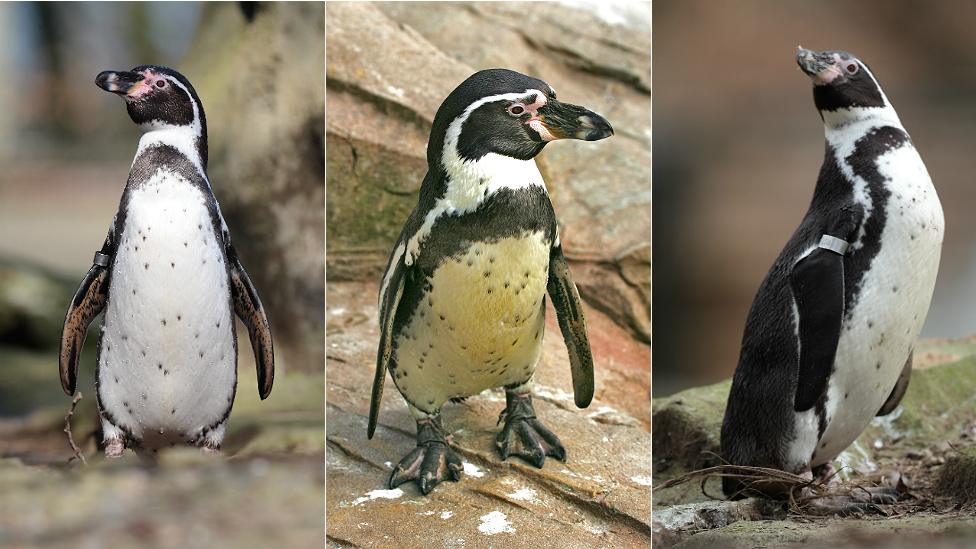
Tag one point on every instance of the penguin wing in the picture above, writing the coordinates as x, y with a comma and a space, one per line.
86, 304
898, 392
247, 306
817, 281
390, 294
569, 312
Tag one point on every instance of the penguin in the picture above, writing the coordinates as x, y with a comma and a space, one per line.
169, 282
463, 298
828, 341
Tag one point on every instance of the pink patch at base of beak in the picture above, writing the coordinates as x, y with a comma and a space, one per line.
828, 75
541, 129
143, 87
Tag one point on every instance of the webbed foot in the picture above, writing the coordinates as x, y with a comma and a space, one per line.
536, 441
431, 462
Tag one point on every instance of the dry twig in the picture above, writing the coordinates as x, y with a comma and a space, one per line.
67, 430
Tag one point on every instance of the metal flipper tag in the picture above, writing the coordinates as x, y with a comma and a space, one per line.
101, 259
837, 245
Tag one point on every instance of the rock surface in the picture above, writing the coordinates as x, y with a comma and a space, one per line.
265, 489
936, 419
262, 89
381, 107
599, 497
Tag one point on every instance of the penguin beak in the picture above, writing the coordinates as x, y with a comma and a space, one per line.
126, 84
556, 120
821, 67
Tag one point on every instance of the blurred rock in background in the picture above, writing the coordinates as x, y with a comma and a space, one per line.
391, 64
264, 81
738, 146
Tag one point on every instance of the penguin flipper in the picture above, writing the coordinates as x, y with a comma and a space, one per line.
898, 392
817, 281
247, 307
390, 296
569, 312
86, 304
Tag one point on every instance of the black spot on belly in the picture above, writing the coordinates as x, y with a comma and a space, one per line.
160, 365
486, 274
163, 321
146, 266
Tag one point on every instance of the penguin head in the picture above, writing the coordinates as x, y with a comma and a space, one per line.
156, 97
842, 84
507, 113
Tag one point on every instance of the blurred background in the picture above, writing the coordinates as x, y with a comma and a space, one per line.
65, 151
389, 67
738, 146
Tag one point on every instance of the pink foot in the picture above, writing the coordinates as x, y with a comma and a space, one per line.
210, 450
114, 448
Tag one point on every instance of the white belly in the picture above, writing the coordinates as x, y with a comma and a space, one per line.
167, 367
477, 330
889, 313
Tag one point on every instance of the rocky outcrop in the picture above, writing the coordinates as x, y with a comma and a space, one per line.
380, 108
597, 498
921, 439
261, 84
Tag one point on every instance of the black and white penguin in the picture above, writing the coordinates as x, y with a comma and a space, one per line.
169, 282
462, 303
828, 342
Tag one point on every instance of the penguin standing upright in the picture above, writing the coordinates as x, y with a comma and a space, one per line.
169, 282
462, 303
828, 342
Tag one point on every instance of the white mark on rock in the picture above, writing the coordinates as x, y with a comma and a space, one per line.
446, 515
378, 494
523, 494
642, 480
493, 523
472, 470
395, 91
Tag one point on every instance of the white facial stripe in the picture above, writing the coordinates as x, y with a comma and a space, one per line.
470, 182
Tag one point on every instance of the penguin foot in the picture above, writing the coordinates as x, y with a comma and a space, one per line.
209, 450
536, 441
431, 462
859, 501
114, 447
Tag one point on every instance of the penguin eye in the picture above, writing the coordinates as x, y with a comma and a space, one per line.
516, 110
161, 83
851, 68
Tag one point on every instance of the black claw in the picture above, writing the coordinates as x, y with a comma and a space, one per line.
536, 440
431, 462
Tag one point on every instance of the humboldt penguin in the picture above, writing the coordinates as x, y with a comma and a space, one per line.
169, 282
463, 299
828, 342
